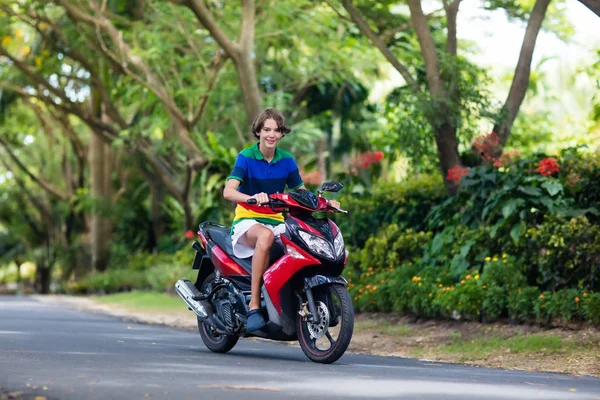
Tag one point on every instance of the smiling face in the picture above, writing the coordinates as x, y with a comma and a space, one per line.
269, 135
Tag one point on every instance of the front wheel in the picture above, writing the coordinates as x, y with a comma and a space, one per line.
212, 340
326, 341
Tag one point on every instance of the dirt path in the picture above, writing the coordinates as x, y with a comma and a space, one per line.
522, 347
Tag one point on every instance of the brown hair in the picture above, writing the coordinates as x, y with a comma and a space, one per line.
269, 113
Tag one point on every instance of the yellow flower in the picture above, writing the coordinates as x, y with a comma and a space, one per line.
419, 284
495, 259
504, 255
374, 288
541, 296
477, 277
18, 32
576, 299
430, 294
468, 277
6, 40
440, 285
25, 50
584, 294
463, 281
487, 259
484, 286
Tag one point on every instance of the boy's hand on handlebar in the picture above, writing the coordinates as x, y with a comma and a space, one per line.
334, 204
261, 198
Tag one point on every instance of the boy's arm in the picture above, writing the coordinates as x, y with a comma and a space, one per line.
232, 193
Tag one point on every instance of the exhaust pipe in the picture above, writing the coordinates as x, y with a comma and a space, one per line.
188, 292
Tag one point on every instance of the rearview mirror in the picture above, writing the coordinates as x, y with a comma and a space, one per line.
331, 187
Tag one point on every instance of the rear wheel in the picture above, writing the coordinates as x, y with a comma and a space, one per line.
326, 341
212, 340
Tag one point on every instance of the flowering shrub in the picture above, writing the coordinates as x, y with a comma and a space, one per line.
487, 148
513, 243
547, 166
365, 160
591, 307
456, 173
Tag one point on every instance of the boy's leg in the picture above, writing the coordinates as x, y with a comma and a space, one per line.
261, 238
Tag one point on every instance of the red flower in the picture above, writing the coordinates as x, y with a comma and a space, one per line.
547, 166
189, 235
365, 160
455, 174
486, 146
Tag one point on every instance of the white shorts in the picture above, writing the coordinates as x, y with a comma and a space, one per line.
242, 227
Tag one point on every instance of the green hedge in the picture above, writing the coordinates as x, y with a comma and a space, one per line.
141, 272
405, 204
513, 244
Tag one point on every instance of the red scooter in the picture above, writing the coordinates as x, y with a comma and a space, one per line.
304, 296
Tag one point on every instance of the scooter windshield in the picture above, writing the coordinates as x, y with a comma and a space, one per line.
305, 198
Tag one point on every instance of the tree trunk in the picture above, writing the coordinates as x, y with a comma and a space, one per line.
522, 72
451, 15
246, 73
157, 196
447, 146
101, 194
42, 278
593, 5
100, 185
188, 214
19, 279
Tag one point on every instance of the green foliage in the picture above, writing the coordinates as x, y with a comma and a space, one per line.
506, 199
564, 305
591, 307
494, 303
405, 204
502, 272
580, 174
141, 271
481, 271
521, 303
563, 252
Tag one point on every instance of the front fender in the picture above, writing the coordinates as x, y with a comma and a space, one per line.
319, 280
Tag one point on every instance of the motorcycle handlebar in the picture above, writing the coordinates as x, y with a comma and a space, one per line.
253, 201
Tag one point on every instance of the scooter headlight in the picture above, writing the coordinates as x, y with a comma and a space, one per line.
338, 245
316, 244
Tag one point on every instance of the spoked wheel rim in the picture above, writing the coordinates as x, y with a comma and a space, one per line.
323, 338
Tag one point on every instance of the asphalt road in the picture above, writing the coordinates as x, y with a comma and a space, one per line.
58, 353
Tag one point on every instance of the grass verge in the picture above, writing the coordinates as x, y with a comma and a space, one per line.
143, 301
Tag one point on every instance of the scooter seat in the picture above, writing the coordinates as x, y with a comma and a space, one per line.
221, 236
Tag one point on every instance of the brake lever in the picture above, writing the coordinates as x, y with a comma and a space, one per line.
338, 209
